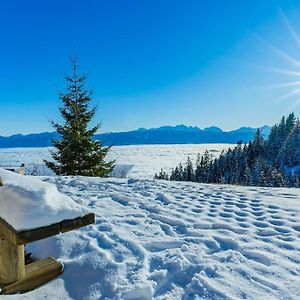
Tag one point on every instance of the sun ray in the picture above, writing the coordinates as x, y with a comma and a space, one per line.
278, 70
295, 104
283, 54
288, 95
279, 85
286, 89
290, 27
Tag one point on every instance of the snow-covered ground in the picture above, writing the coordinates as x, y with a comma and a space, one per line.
168, 240
135, 161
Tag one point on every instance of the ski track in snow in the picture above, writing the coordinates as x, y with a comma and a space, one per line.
167, 240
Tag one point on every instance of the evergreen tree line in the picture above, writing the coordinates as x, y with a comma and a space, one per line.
273, 162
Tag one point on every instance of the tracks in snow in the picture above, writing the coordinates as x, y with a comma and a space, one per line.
181, 241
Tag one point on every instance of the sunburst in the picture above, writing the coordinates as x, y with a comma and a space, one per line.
290, 89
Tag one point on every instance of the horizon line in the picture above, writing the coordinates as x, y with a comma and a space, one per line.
143, 128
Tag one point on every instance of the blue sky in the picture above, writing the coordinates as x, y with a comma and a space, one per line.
151, 63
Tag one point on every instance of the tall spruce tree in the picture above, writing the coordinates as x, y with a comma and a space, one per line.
76, 152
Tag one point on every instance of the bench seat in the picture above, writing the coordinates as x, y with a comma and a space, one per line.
22, 237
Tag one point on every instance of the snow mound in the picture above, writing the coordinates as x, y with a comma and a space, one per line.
121, 170
28, 203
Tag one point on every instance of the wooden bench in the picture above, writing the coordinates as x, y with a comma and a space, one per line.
15, 277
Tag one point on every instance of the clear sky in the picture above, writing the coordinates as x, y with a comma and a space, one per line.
227, 63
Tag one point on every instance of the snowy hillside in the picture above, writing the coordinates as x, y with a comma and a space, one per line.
168, 240
141, 161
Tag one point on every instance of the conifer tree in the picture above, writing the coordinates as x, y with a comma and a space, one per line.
76, 152
175, 175
275, 178
258, 144
198, 168
161, 175
188, 172
290, 150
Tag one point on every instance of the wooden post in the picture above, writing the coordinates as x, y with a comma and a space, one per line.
12, 262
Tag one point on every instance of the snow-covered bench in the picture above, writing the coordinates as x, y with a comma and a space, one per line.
32, 210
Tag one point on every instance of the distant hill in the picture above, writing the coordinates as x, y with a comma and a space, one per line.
179, 134
30, 140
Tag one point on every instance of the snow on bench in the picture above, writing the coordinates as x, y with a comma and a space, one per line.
31, 210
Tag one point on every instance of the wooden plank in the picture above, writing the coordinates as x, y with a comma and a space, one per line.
68, 225
31, 235
38, 264
37, 274
8, 232
28, 236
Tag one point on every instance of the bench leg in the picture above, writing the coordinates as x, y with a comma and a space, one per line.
37, 274
12, 262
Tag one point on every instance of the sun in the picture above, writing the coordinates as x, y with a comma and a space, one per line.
291, 88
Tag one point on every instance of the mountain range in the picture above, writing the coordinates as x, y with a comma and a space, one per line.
179, 134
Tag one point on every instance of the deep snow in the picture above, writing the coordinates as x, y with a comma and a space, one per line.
168, 240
